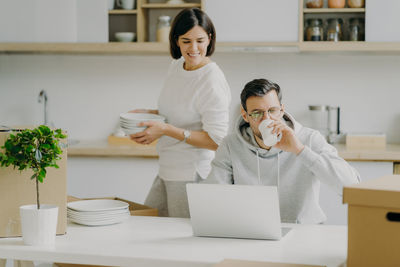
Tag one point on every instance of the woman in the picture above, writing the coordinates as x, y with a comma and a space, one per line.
195, 101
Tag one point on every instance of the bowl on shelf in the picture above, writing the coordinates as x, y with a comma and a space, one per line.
125, 36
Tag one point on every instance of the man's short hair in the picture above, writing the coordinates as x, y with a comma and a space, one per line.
259, 87
184, 22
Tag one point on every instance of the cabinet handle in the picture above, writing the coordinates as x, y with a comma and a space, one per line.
393, 216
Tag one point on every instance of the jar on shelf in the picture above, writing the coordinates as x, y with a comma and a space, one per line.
356, 29
334, 30
336, 3
163, 29
314, 3
356, 3
314, 30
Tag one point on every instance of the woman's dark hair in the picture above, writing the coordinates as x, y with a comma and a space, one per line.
184, 22
259, 87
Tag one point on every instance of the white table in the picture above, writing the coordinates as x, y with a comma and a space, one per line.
155, 241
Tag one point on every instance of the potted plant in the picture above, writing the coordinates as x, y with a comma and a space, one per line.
35, 149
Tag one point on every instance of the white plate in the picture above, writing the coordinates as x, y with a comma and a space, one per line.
140, 117
95, 214
131, 131
99, 222
97, 205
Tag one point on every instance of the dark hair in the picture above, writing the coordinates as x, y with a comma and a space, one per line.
184, 22
259, 87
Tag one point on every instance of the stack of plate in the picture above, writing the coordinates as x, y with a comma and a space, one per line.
98, 211
129, 121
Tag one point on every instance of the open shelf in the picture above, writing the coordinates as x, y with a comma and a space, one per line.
161, 5
122, 12
334, 10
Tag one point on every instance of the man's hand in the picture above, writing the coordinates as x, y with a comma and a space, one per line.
289, 141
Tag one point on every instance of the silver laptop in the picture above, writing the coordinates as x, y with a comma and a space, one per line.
238, 211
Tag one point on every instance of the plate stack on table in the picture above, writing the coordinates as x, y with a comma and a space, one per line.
129, 121
97, 212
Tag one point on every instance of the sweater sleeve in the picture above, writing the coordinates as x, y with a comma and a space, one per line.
212, 103
324, 162
221, 166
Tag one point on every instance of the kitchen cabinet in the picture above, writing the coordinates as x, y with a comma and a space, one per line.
382, 21
143, 19
331, 203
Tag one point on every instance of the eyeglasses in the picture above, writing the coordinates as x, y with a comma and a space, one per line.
273, 112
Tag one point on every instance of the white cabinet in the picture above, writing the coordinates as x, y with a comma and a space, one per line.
53, 21
254, 20
332, 203
382, 21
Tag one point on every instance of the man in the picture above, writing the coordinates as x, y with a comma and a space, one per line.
296, 164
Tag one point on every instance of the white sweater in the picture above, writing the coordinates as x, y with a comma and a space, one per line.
194, 100
239, 160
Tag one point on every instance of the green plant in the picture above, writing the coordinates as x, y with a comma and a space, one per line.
34, 149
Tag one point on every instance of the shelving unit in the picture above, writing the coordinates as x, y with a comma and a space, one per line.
324, 14
143, 19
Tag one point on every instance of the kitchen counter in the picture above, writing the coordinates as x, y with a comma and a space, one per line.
103, 149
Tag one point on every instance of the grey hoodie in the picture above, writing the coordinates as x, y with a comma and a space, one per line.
240, 160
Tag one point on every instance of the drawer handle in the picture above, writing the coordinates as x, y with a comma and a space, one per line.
393, 216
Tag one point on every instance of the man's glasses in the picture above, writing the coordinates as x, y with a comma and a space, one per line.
273, 112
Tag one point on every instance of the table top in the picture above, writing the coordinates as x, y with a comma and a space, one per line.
156, 241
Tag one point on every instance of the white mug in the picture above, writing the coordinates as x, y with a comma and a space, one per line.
269, 139
126, 4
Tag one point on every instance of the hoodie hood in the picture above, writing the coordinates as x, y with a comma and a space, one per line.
246, 136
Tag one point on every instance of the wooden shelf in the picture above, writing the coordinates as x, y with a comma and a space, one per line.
122, 12
170, 6
153, 47
347, 46
334, 10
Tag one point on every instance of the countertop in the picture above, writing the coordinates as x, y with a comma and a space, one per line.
169, 242
104, 149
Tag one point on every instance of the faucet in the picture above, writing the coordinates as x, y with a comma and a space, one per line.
43, 98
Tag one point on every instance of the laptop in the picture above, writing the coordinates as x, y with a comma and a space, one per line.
236, 211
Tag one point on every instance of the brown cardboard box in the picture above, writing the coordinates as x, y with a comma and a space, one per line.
365, 141
17, 189
135, 208
243, 263
373, 222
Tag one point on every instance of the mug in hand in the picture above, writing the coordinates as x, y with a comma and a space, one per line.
269, 139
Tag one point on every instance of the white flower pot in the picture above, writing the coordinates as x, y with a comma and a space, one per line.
39, 225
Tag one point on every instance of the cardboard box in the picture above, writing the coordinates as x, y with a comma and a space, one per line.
365, 141
373, 222
134, 208
243, 263
17, 189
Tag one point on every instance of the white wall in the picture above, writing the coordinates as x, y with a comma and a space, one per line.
87, 93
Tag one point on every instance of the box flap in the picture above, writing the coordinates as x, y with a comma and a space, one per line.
246, 263
380, 192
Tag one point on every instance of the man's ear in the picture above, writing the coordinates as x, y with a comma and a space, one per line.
244, 113
283, 109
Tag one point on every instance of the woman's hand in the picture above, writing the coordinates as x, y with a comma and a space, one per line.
142, 110
289, 141
155, 129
